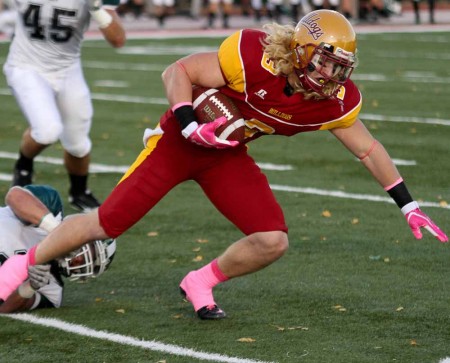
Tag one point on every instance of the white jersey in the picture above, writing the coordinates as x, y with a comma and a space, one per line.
49, 33
17, 238
9, 4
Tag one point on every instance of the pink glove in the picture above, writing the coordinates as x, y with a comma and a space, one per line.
417, 219
205, 135
12, 273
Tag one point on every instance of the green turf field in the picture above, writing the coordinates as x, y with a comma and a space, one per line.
355, 285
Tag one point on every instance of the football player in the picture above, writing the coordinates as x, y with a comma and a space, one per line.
213, 9
31, 212
285, 81
7, 17
43, 70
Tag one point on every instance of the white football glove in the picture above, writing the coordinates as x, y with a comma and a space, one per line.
94, 4
39, 276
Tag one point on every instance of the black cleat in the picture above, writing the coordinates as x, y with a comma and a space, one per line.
209, 312
22, 177
84, 202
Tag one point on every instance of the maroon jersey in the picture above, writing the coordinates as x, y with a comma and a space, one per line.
262, 98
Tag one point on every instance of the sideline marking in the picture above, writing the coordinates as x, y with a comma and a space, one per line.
341, 194
127, 340
416, 120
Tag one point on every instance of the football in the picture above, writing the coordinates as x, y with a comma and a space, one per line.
210, 104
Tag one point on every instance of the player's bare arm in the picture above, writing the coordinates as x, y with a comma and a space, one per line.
179, 77
16, 303
108, 22
114, 33
25, 205
30, 210
372, 154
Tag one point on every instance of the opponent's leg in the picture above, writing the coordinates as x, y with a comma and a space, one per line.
80, 196
36, 98
24, 167
74, 101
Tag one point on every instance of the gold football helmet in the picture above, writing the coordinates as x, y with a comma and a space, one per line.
324, 51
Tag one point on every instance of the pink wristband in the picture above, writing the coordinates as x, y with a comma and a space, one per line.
397, 182
181, 104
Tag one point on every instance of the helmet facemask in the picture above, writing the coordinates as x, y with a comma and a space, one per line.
91, 260
326, 68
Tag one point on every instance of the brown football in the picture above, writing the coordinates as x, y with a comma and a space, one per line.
210, 104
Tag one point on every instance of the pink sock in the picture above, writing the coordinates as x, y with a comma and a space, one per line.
217, 272
198, 284
12, 273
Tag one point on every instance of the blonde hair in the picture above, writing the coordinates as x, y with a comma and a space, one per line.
277, 45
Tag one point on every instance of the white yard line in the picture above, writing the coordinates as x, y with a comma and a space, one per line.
345, 195
163, 101
127, 340
101, 168
417, 120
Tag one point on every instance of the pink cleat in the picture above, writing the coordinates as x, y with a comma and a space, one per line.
201, 298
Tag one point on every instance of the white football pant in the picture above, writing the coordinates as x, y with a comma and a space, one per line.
57, 106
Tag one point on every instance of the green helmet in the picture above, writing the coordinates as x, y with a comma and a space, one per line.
49, 196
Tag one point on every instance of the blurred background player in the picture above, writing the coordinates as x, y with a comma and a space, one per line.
8, 16
416, 6
226, 9
162, 9
30, 214
275, 9
325, 4
372, 10
44, 72
135, 7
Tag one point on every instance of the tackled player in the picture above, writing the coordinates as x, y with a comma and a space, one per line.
30, 214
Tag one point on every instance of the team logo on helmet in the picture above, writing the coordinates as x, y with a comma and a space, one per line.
312, 24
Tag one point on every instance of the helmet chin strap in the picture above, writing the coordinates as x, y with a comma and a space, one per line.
301, 77
307, 83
